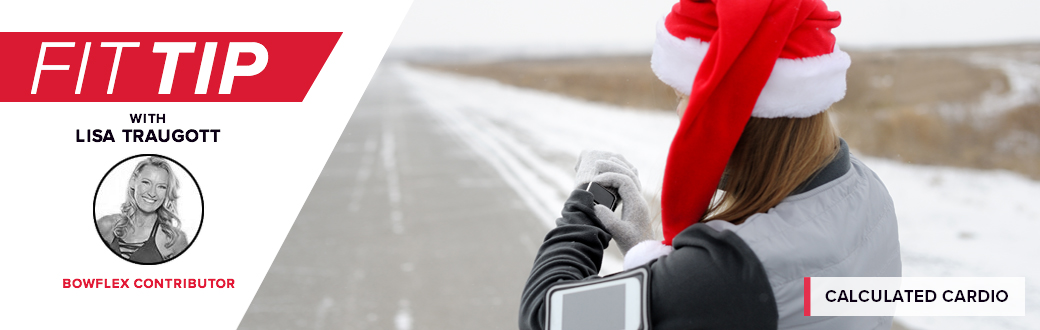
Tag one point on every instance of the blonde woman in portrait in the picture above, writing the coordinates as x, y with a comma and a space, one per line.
147, 229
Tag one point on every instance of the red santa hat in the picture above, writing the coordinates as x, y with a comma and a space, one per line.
737, 59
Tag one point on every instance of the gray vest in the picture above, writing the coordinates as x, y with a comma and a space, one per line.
845, 227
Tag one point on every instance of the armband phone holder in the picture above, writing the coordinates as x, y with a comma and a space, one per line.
618, 301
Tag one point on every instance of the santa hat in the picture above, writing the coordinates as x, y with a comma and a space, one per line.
737, 59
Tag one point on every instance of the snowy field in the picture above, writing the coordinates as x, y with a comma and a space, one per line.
952, 222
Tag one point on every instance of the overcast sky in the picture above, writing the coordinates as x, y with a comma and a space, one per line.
628, 25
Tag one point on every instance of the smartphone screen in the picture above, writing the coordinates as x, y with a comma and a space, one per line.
616, 302
603, 196
598, 309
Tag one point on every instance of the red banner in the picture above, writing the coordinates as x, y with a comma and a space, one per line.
161, 66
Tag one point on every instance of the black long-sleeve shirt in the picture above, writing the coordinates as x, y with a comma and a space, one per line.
712, 280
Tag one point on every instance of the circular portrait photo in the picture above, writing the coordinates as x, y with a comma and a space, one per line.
148, 209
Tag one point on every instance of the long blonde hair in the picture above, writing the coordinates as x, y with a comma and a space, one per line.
773, 157
167, 217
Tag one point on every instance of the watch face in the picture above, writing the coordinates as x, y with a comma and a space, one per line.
603, 196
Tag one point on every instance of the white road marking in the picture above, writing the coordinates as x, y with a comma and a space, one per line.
322, 312
403, 319
368, 159
393, 184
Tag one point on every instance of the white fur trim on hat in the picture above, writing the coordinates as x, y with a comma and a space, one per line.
645, 251
796, 88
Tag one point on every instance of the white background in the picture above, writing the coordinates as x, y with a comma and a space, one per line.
255, 179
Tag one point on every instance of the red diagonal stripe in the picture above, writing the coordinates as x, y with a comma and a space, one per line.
294, 60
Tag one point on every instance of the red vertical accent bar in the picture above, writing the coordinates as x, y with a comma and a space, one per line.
806, 295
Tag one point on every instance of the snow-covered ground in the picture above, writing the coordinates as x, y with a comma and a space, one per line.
952, 222
1023, 75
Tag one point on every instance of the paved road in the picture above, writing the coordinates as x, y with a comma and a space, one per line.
406, 228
